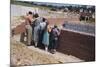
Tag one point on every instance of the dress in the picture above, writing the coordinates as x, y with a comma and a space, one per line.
45, 40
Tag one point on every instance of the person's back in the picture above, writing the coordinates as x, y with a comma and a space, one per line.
45, 40
36, 27
28, 18
37, 19
54, 35
42, 25
37, 23
28, 27
36, 31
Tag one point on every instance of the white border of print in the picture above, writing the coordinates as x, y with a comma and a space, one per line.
5, 33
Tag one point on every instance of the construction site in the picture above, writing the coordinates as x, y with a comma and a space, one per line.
76, 42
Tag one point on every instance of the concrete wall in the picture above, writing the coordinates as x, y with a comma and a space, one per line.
76, 44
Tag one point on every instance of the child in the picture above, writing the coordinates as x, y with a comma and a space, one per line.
55, 32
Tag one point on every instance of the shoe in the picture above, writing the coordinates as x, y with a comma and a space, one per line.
46, 49
52, 51
35, 44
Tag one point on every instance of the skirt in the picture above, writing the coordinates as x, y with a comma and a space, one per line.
45, 40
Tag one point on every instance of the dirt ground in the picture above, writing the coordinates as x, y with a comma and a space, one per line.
21, 55
29, 55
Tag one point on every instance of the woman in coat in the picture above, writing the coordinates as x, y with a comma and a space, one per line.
45, 40
36, 29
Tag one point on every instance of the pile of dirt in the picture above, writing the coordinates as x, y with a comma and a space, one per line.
21, 55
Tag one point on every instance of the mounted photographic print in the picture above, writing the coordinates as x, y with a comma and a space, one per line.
51, 33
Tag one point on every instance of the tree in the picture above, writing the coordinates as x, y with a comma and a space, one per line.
70, 8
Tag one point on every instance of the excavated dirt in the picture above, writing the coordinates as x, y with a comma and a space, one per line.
22, 55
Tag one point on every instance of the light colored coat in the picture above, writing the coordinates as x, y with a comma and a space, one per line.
45, 40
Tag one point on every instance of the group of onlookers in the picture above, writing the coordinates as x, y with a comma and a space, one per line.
40, 32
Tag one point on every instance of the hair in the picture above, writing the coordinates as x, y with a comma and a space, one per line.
46, 28
29, 12
55, 26
47, 24
44, 19
36, 15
